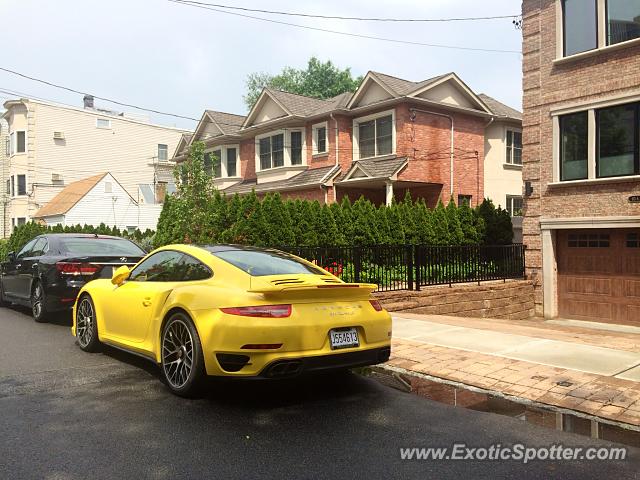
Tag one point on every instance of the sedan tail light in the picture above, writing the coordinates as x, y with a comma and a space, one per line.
264, 311
76, 268
376, 305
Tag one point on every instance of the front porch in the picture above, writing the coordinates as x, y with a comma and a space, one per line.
385, 191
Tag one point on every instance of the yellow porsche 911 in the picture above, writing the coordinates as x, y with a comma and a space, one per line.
228, 310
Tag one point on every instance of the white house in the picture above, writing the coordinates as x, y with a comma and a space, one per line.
52, 145
95, 200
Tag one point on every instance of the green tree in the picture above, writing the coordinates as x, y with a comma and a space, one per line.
440, 225
498, 229
456, 235
319, 80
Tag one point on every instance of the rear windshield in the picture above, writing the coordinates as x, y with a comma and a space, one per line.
99, 246
258, 264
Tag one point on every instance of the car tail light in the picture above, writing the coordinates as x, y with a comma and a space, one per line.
76, 268
376, 305
265, 311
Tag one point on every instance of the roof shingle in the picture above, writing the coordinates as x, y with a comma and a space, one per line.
499, 108
69, 196
308, 178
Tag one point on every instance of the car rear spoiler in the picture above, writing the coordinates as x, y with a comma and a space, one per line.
336, 287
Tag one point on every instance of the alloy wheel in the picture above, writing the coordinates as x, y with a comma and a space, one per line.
36, 301
177, 353
85, 319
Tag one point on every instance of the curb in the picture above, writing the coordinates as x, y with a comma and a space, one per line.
397, 373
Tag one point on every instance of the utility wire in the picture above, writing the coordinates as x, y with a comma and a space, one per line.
116, 102
364, 19
337, 32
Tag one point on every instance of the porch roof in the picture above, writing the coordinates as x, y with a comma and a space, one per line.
380, 168
311, 177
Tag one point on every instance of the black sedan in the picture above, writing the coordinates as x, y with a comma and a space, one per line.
47, 273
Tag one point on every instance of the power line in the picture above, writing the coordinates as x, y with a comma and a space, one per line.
337, 32
116, 102
364, 19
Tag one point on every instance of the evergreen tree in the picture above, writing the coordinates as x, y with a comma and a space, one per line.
396, 228
327, 228
440, 225
456, 235
498, 229
423, 219
470, 234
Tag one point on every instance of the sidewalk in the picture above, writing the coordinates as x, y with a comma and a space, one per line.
567, 367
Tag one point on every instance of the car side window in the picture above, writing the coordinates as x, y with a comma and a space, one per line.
26, 250
194, 269
164, 266
39, 247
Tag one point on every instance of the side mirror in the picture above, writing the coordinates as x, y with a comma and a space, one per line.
120, 275
11, 256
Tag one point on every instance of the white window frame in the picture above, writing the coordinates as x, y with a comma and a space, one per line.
287, 148
509, 161
108, 120
13, 143
166, 148
224, 172
356, 133
509, 204
26, 185
314, 138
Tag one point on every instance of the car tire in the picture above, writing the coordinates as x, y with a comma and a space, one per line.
3, 301
87, 325
38, 303
182, 362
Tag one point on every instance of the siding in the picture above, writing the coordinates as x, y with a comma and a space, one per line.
126, 150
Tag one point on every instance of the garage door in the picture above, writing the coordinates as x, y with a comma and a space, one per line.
599, 275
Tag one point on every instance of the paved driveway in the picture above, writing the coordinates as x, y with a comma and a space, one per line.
70, 415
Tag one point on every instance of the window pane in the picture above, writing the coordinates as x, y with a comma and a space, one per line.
580, 32
208, 164
258, 263
265, 153
162, 152
277, 150
231, 162
194, 269
296, 148
7, 147
99, 246
217, 163
517, 148
616, 141
321, 141
623, 20
22, 185
21, 147
367, 139
384, 135
159, 267
573, 146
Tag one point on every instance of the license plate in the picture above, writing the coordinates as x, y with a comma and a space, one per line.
344, 338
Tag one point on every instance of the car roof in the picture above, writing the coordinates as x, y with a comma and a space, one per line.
225, 247
80, 235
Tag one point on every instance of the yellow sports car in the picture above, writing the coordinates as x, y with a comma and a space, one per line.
228, 310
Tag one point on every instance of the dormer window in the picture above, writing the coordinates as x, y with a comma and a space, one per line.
280, 149
222, 162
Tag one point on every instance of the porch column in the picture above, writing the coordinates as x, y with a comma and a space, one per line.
389, 193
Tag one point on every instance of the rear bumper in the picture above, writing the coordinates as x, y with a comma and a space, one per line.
297, 366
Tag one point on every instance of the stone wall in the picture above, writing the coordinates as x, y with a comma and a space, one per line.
512, 299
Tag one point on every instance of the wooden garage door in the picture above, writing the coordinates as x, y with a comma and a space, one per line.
599, 275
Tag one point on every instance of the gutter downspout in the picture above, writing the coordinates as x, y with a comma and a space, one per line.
413, 110
335, 194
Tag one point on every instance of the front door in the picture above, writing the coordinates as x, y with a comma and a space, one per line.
11, 272
134, 304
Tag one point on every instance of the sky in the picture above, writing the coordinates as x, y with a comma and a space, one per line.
181, 59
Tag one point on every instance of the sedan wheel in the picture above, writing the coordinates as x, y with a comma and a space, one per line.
38, 308
86, 326
182, 362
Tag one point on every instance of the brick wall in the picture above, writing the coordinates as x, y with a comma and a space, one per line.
248, 158
512, 299
426, 142
547, 86
307, 194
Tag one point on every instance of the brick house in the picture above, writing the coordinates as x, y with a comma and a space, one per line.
581, 157
389, 137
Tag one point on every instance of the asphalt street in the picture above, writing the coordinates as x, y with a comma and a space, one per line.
66, 414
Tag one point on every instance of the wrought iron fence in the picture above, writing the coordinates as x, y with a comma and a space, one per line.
408, 267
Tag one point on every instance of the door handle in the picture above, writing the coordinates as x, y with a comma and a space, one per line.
146, 302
